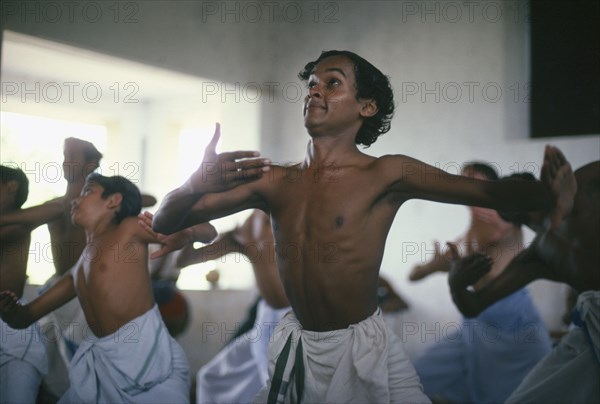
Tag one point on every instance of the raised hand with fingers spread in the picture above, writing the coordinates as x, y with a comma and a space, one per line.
558, 176
464, 273
217, 173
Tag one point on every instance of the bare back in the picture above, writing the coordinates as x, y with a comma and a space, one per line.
112, 279
68, 240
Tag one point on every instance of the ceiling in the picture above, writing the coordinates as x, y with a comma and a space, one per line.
33, 59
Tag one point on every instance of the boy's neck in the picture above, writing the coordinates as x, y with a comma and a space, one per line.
327, 151
96, 231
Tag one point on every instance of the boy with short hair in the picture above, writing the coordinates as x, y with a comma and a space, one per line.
128, 355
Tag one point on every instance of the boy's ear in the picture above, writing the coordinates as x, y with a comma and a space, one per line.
369, 108
114, 200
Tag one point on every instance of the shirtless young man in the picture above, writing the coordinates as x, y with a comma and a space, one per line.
330, 216
22, 355
127, 355
68, 241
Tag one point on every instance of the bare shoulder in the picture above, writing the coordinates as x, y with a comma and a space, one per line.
130, 228
279, 172
396, 161
277, 175
396, 167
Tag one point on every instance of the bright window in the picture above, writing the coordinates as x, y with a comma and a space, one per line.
35, 145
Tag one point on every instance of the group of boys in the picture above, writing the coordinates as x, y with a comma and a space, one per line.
333, 346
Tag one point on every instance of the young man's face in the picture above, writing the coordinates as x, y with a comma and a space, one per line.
331, 105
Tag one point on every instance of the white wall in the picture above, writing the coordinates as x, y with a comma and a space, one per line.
420, 45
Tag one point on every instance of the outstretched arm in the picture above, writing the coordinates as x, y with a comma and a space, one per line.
189, 204
22, 316
223, 245
555, 254
203, 232
13, 232
413, 179
36, 215
439, 263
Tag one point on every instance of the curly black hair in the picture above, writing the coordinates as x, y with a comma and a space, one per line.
371, 83
16, 174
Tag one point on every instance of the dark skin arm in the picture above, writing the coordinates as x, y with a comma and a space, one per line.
551, 255
419, 180
22, 316
203, 232
465, 272
438, 263
13, 231
34, 216
223, 245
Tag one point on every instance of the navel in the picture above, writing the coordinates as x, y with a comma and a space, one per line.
339, 221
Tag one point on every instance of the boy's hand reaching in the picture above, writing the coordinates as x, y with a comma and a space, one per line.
465, 272
558, 176
170, 243
9, 307
223, 171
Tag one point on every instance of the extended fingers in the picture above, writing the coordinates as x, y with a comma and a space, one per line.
554, 160
235, 178
212, 145
478, 265
469, 270
162, 251
145, 221
244, 169
559, 156
233, 156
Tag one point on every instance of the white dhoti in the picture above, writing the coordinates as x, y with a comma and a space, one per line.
238, 372
139, 363
22, 363
571, 372
364, 363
